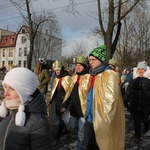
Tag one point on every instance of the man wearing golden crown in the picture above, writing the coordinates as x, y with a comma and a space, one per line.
59, 88
105, 118
76, 98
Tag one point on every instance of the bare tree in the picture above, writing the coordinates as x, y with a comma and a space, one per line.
79, 48
34, 22
114, 14
143, 32
134, 41
48, 43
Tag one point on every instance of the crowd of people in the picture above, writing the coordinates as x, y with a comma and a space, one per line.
95, 96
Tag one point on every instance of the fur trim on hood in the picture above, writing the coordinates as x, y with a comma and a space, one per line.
146, 74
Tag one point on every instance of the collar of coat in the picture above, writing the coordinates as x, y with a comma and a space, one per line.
146, 74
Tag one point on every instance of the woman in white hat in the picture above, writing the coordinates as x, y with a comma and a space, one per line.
24, 125
138, 94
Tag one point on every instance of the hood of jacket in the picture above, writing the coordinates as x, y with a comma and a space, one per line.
37, 105
146, 74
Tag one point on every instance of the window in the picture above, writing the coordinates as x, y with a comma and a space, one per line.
23, 30
19, 63
24, 63
3, 63
4, 40
10, 62
23, 39
12, 39
10, 53
20, 51
25, 51
3, 52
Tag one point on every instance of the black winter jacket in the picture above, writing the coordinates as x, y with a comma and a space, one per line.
34, 135
138, 94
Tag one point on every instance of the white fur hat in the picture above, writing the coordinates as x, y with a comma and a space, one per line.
25, 82
142, 64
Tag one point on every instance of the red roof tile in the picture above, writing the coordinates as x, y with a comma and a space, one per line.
8, 41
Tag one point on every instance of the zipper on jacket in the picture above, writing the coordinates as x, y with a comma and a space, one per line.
4, 142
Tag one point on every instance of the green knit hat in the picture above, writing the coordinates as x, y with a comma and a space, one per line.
99, 53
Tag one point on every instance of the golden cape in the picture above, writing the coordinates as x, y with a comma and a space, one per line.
108, 112
83, 90
64, 82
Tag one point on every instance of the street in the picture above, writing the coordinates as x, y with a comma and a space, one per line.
68, 142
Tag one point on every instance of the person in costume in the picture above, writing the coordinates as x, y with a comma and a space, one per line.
112, 65
24, 125
60, 85
43, 75
76, 98
138, 95
105, 118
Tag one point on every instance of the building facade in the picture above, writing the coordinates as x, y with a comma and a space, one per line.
14, 48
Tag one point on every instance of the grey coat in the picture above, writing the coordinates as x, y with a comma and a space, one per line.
34, 135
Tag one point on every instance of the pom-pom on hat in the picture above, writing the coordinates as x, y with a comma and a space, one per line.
42, 60
99, 53
142, 64
82, 59
25, 82
57, 65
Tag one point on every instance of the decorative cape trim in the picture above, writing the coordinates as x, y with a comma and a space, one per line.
64, 83
83, 89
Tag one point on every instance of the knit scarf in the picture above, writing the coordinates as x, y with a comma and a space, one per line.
99, 69
12, 104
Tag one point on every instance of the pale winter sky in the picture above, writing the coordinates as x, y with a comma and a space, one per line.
74, 28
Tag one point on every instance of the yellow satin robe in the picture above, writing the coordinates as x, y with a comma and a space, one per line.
64, 82
83, 90
108, 112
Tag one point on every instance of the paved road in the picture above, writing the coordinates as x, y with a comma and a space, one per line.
68, 141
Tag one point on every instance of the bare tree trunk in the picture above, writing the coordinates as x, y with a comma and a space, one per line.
29, 57
114, 24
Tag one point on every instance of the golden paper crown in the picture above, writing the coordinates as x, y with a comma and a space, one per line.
112, 62
82, 59
57, 65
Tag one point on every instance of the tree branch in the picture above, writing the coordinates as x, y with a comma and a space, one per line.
123, 16
100, 17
